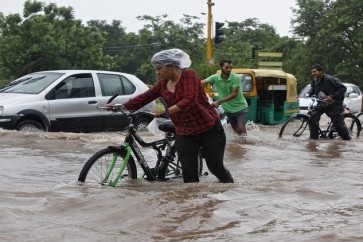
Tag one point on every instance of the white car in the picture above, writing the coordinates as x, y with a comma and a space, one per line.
69, 100
352, 100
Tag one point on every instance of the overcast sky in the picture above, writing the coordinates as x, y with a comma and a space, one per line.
277, 13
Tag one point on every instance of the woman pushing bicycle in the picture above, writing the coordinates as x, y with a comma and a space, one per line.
196, 122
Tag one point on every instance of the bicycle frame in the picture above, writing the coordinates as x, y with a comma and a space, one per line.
122, 167
131, 147
323, 134
326, 133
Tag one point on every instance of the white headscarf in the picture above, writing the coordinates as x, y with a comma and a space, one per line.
175, 57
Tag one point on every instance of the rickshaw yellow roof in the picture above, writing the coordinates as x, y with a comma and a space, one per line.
264, 72
267, 73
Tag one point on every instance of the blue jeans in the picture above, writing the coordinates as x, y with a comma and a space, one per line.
212, 143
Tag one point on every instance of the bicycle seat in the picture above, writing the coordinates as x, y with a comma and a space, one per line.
167, 126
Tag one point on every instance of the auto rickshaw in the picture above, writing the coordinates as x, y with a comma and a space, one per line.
271, 94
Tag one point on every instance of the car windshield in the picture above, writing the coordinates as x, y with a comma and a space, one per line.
32, 84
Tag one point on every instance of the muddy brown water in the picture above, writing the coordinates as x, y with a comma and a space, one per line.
284, 190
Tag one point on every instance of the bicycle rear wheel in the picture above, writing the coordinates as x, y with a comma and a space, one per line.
295, 127
360, 117
353, 124
97, 169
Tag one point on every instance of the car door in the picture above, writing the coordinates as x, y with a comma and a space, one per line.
74, 105
354, 103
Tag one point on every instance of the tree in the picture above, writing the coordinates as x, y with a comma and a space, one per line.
333, 34
239, 39
132, 52
48, 37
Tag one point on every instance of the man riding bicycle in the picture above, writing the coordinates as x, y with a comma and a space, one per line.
332, 90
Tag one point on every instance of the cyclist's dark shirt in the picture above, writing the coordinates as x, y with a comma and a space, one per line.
329, 85
196, 116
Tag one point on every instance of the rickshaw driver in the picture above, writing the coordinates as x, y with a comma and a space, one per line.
228, 85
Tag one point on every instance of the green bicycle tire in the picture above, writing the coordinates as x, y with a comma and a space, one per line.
95, 169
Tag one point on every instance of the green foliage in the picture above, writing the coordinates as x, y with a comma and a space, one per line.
52, 39
3, 82
333, 36
48, 37
239, 39
32, 7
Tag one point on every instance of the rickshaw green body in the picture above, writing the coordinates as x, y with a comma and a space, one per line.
271, 95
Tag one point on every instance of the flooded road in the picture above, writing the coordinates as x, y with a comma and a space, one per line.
284, 190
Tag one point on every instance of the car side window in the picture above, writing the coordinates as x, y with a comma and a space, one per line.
75, 86
112, 84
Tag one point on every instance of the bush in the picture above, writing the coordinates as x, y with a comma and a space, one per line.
3, 82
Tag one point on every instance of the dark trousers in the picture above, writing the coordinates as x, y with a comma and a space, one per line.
212, 144
336, 115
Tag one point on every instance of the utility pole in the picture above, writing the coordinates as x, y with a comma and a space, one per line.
209, 36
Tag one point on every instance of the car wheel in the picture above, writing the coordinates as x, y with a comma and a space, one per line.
30, 126
141, 123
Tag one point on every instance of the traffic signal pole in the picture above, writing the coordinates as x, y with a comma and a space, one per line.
209, 36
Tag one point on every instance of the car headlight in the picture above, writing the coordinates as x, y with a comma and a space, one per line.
1, 110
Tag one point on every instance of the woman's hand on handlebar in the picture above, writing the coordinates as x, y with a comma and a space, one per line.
158, 113
216, 104
114, 107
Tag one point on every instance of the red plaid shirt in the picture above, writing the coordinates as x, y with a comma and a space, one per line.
196, 115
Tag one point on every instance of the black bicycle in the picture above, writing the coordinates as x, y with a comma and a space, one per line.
360, 117
297, 126
115, 164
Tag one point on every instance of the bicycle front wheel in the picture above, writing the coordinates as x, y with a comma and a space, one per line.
103, 168
296, 127
353, 124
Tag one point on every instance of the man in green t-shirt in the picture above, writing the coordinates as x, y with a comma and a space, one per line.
228, 85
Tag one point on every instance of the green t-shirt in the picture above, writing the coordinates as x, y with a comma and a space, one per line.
225, 87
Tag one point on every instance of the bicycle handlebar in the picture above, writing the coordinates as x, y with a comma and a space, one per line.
127, 112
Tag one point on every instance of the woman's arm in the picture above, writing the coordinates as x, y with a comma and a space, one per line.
141, 100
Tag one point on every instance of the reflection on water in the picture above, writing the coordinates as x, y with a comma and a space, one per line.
283, 191
327, 148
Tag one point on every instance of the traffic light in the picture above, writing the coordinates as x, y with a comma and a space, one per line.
219, 33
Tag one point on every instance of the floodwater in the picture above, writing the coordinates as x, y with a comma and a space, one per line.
284, 190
